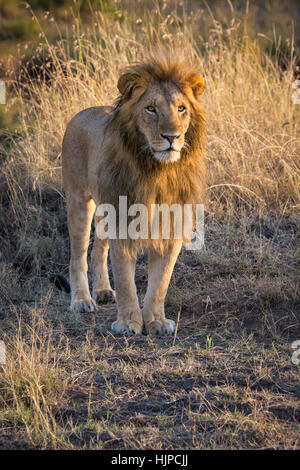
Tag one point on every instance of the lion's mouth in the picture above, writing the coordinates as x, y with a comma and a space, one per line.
169, 149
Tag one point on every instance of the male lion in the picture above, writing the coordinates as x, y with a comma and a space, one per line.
148, 147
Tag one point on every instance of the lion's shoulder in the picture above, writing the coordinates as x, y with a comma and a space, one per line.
90, 115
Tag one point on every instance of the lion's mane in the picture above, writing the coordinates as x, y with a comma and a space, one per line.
129, 168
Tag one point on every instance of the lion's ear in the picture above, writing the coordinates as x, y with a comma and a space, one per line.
197, 84
127, 82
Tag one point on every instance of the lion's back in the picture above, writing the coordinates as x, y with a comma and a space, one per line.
84, 130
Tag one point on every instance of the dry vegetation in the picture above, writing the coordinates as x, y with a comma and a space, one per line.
226, 380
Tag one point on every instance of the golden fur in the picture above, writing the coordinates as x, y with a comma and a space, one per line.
151, 182
148, 156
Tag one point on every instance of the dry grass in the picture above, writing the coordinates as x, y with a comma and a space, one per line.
225, 381
68, 382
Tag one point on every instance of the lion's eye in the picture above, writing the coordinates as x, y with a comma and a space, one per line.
151, 109
181, 108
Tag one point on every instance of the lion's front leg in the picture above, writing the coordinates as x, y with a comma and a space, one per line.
80, 214
160, 272
129, 318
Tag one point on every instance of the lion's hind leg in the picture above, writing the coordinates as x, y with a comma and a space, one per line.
102, 291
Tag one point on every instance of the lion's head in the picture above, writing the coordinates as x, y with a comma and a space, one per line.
159, 105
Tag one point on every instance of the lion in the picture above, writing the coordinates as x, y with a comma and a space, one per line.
148, 146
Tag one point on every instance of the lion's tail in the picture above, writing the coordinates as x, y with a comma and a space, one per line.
60, 282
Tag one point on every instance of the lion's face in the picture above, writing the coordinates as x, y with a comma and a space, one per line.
158, 100
163, 117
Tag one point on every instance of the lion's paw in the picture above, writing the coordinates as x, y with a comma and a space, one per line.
161, 327
105, 296
127, 327
83, 305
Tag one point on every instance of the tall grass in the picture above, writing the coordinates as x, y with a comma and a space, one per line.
31, 382
253, 143
253, 127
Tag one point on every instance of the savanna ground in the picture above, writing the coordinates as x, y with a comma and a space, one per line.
226, 379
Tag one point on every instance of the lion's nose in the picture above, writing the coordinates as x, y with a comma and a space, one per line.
170, 138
